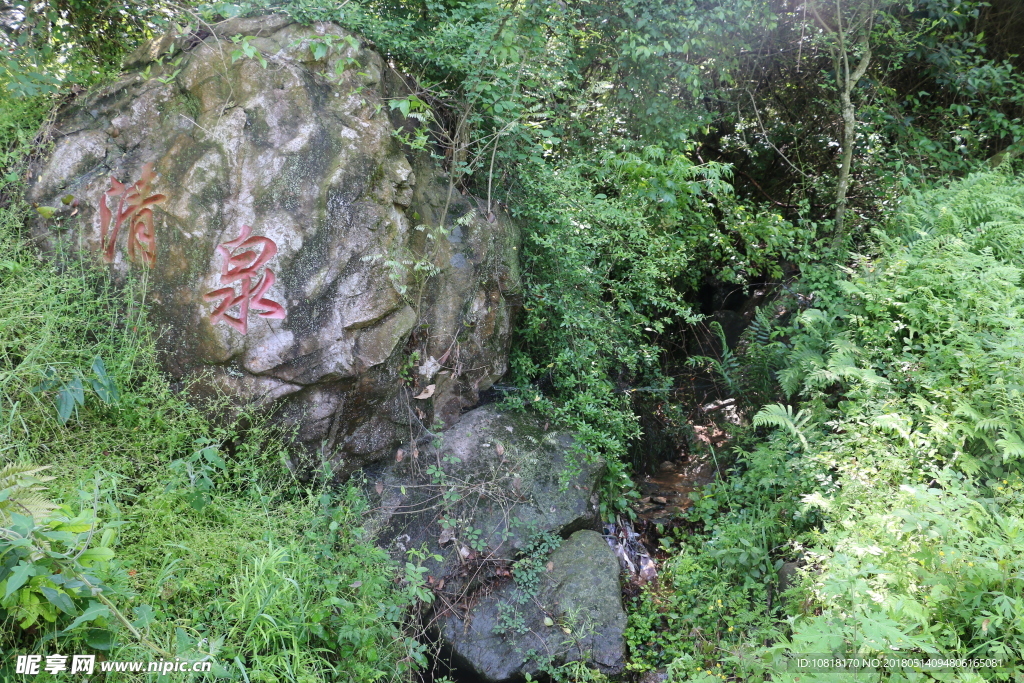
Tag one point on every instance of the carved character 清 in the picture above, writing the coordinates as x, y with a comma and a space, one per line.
133, 206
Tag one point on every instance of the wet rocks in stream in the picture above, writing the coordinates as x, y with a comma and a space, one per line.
506, 524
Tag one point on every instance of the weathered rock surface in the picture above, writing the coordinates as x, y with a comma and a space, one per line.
579, 597
296, 253
481, 497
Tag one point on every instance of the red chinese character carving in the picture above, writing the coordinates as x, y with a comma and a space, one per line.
132, 205
242, 267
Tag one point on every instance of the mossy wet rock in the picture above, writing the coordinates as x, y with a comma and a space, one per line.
475, 500
338, 213
575, 615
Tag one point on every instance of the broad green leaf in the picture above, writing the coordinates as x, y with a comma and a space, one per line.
70, 395
145, 616
99, 638
21, 524
96, 610
60, 600
18, 578
105, 390
77, 391
197, 500
50, 380
97, 555
65, 405
211, 457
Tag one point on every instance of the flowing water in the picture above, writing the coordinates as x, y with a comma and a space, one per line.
666, 494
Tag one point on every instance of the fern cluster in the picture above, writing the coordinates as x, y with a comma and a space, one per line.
892, 473
910, 386
22, 486
929, 339
750, 373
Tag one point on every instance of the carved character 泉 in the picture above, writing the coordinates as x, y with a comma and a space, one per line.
243, 268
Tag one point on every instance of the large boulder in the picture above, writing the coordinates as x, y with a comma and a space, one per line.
299, 256
502, 516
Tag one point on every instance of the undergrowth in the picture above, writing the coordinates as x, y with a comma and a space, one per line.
892, 481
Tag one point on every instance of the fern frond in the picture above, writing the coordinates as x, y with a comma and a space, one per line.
22, 485
894, 422
1011, 445
778, 415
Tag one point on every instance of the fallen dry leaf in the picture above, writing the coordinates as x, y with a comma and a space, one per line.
379, 488
355, 584
500, 449
399, 455
428, 392
550, 566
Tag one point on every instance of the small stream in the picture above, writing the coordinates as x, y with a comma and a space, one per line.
666, 482
666, 494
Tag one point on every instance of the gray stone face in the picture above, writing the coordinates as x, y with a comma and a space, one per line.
472, 503
576, 615
295, 250
502, 474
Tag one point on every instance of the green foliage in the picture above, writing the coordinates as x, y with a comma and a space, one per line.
782, 416
193, 476
71, 394
47, 45
647, 149
932, 573
527, 572
694, 611
249, 51
896, 484
50, 567
619, 230
21, 492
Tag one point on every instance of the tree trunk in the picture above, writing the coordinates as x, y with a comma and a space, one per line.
849, 114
